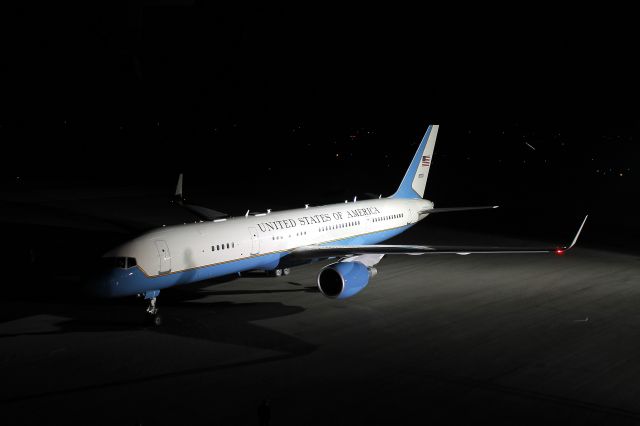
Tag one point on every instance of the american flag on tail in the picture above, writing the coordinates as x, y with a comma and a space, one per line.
426, 160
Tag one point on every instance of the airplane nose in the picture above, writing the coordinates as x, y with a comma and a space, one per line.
103, 284
99, 285
115, 282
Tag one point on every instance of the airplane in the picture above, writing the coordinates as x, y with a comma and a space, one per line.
348, 232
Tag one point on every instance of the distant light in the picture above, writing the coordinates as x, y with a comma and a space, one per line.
559, 252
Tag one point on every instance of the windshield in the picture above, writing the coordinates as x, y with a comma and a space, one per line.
118, 262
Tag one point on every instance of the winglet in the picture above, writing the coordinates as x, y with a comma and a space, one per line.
575, 239
179, 188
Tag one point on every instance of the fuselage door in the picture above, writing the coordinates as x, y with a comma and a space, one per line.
255, 242
164, 256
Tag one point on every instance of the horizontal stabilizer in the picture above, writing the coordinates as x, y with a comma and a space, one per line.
455, 209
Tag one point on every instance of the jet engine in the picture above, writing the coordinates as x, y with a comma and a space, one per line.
344, 279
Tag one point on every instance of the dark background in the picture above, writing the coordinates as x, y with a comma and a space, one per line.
271, 107
103, 104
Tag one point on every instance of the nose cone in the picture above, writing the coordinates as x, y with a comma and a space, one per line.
101, 284
111, 283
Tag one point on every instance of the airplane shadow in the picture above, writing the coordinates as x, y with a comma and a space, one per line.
221, 322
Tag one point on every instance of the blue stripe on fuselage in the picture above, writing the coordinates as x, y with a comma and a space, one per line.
132, 281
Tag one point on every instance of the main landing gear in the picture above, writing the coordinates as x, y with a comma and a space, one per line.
280, 272
153, 317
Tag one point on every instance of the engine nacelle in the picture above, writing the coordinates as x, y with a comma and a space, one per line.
344, 279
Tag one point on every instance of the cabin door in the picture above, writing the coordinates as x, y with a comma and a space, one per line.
164, 256
255, 242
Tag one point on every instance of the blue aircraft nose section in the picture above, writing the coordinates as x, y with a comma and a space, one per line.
114, 283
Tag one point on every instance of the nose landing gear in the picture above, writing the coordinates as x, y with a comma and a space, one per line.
153, 317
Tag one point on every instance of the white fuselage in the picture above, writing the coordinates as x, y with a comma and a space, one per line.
181, 248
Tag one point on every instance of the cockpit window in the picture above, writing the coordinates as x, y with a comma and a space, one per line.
118, 262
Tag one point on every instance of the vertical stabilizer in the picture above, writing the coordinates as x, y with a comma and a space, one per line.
415, 179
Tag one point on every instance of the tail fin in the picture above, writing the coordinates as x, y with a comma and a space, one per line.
415, 179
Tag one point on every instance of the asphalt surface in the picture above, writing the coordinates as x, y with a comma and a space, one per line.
505, 339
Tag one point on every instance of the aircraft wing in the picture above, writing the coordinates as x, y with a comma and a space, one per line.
203, 213
327, 251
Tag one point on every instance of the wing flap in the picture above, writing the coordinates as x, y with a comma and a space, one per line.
314, 252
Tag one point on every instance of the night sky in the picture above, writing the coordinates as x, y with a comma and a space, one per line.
538, 108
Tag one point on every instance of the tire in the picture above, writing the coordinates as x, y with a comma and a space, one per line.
153, 320
286, 271
156, 320
277, 272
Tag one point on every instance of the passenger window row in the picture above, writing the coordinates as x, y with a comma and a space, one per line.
339, 226
280, 237
393, 216
222, 246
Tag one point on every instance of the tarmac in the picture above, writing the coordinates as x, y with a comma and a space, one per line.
434, 339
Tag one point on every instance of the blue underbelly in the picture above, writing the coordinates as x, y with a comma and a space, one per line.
132, 281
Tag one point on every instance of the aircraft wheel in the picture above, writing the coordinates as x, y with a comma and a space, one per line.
154, 320
286, 271
157, 320
277, 272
